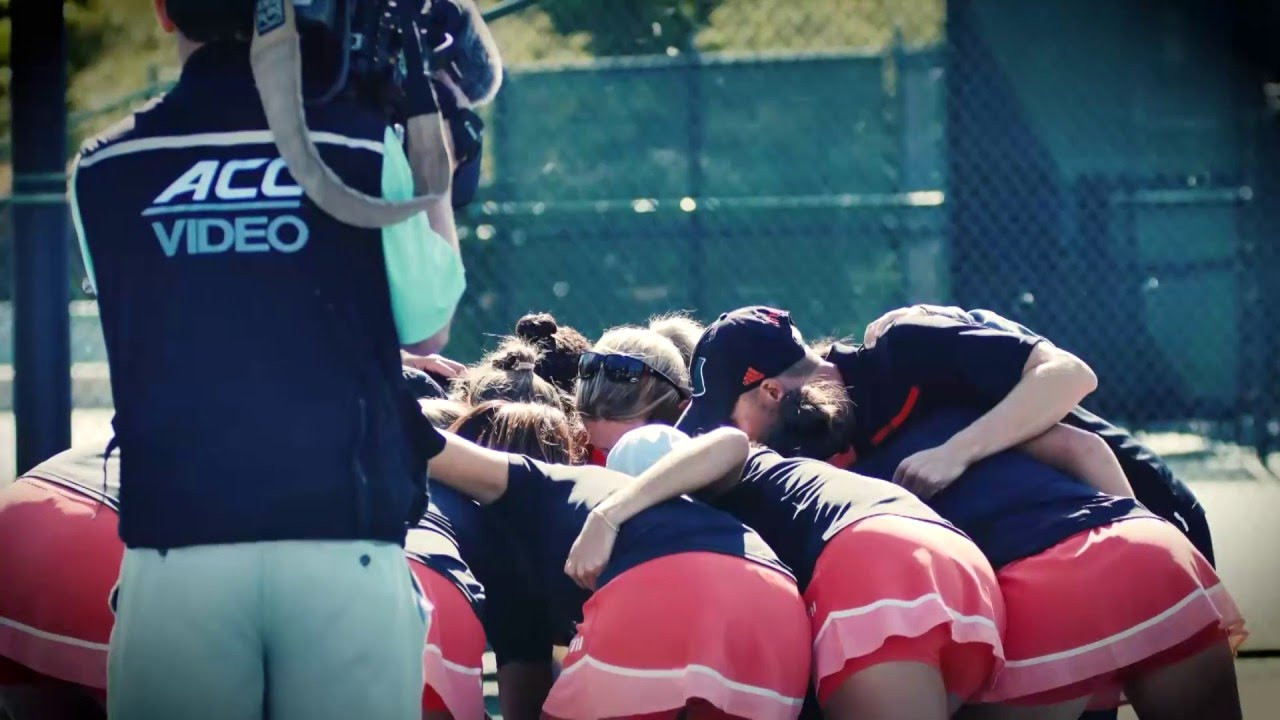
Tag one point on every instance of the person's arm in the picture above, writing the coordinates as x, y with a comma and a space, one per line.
877, 327
960, 362
424, 268
1082, 455
435, 364
440, 217
710, 464
996, 321
1053, 382
474, 471
433, 344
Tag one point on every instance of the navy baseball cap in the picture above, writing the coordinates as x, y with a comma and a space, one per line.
734, 355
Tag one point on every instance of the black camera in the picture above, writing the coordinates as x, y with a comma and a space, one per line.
410, 57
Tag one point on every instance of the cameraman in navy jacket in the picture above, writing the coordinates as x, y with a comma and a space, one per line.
264, 500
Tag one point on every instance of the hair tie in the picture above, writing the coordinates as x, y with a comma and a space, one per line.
524, 366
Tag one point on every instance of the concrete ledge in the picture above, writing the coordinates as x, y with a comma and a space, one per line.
90, 386
86, 333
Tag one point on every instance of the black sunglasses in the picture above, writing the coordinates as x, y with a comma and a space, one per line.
621, 369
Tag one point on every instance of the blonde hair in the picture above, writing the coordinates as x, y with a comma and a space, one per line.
650, 399
442, 412
537, 430
823, 346
682, 330
507, 374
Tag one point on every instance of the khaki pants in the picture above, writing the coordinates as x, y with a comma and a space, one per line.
286, 630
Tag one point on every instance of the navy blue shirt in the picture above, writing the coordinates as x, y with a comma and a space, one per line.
931, 362
531, 603
214, 275
1153, 482
798, 504
1011, 505
449, 540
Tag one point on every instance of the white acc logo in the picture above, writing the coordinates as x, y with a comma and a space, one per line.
206, 174
208, 235
242, 228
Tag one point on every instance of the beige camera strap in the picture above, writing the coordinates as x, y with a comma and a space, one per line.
276, 58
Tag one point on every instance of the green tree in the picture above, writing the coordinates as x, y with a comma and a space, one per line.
631, 27
92, 28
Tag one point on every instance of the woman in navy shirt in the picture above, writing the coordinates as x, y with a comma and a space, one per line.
452, 667
905, 612
1154, 621
630, 378
694, 615
1166, 634
1152, 481
59, 560
442, 550
1169, 622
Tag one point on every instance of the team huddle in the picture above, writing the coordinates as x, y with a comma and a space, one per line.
730, 522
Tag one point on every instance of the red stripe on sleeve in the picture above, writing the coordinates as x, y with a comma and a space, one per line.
910, 404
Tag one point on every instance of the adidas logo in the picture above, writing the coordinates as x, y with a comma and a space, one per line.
752, 377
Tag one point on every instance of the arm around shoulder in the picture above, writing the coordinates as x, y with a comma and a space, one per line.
1053, 382
708, 464
1083, 455
474, 471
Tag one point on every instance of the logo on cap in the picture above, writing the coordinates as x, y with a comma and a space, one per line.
771, 316
699, 382
752, 377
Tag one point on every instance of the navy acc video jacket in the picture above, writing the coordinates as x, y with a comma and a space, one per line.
254, 340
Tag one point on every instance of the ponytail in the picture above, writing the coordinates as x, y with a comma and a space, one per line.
814, 421
515, 356
561, 348
539, 431
508, 373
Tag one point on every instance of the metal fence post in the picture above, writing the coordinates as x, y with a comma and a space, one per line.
42, 336
1257, 217
921, 247
697, 237
501, 191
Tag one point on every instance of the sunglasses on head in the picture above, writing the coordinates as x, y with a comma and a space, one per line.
621, 369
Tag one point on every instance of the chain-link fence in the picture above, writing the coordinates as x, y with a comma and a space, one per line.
1110, 187
1097, 171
